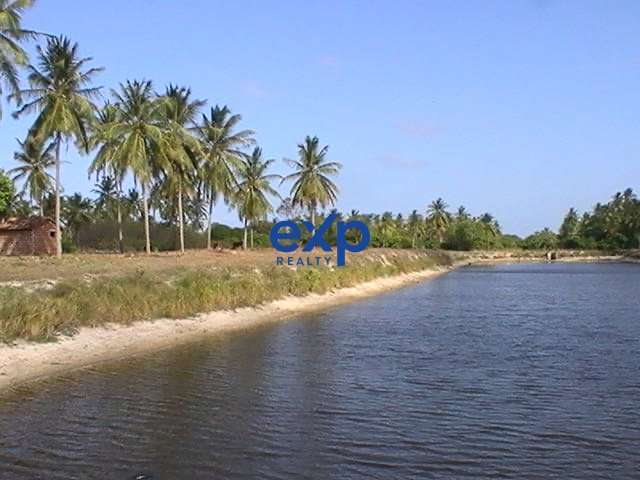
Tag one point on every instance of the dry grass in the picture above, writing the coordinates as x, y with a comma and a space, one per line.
169, 286
77, 266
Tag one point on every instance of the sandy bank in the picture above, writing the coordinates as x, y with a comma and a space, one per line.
27, 361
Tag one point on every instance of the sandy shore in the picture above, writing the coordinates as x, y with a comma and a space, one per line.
27, 361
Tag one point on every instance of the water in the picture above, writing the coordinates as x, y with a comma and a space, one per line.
523, 371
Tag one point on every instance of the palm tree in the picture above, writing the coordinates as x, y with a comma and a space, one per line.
12, 55
7, 194
77, 212
414, 223
462, 213
105, 162
254, 185
60, 93
35, 161
132, 205
490, 223
195, 210
386, 227
438, 216
288, 210
106, 191
137, 137
312, 187
221, 154
178, 112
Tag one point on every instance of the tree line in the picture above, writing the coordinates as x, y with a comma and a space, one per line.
184, 159
179, 157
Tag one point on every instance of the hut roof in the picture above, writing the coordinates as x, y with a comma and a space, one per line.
31, 223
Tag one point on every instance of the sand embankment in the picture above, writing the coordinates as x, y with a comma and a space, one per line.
28, 361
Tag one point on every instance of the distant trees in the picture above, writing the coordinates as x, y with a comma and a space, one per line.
34, 162
438, 218
7, 193
288, 210
415, 227
469, 233
569, 233
541, 240
612, 225
107, 164
77, 212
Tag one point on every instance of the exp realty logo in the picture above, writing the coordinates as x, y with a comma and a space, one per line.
290, 231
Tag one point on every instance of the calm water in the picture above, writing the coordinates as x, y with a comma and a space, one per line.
505, 372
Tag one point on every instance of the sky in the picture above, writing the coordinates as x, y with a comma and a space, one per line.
520, 108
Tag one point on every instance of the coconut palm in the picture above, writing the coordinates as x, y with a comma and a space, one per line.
178, 112
287, 210
59, 90
490, 223
414, 224
312, 187
12, 55
254, 187
132, 205
137, 136
77, 211
221, 155
438, 217
106, 191
462, 213
105, 163
386, 228
35, 160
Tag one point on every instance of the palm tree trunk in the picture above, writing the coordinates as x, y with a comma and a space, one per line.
119, 206
244, 241
145, 207
42, 204
210, 221
313, 217
251, 237
180, 218
58, 229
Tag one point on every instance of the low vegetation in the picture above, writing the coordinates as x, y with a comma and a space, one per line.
42, 314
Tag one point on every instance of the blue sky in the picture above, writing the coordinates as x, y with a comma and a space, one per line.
521, 108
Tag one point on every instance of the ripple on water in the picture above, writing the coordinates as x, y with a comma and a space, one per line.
522, 371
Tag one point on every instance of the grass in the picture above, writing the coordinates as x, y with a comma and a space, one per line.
92, 265
43, 314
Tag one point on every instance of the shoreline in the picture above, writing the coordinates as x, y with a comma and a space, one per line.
576, 259
26, 362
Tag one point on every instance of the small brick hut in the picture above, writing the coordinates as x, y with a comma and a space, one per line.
27, 236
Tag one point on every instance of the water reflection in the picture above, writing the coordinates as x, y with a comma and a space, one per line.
508, 372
